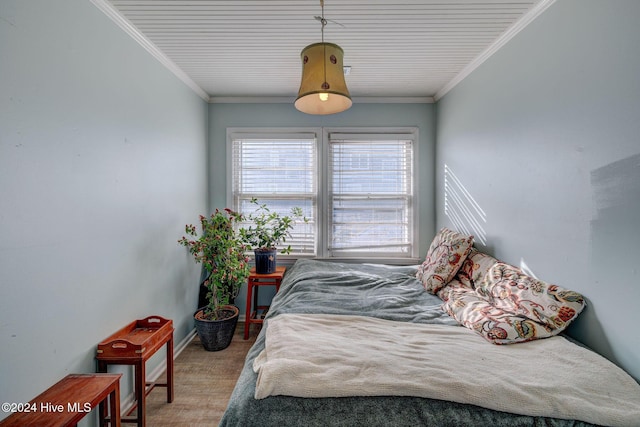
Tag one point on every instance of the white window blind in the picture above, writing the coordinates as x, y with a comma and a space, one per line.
370, 195
280, 171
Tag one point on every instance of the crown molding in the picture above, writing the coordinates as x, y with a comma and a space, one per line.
394, 99
108, 9
251, 100
291, 100
505, 37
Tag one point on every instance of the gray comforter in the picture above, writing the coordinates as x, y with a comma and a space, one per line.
368, 290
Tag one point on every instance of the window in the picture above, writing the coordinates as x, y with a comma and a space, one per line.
370, 195
355, 187
279, 170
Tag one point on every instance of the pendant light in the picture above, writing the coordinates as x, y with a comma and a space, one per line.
322, 89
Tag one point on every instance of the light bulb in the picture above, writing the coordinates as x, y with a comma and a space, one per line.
323, 96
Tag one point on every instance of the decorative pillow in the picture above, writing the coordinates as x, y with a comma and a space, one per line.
494, 324
453, 288
508, 306
475, 268
446, 254
506, 287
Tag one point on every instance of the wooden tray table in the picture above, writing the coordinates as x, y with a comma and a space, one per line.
134, 345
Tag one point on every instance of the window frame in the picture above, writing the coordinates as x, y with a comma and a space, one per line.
376, 134
273, 133
322, 187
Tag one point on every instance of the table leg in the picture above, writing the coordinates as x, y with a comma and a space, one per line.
255, 292
141, 394
247, 320
102, 408
114, 406
170, 370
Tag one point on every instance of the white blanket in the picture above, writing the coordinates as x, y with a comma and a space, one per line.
309, 355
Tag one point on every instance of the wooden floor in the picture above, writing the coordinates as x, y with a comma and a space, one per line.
203, 382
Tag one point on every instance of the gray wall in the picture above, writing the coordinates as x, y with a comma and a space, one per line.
102, 162
223, 116
545, 137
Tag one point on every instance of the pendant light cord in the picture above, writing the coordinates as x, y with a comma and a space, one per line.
322, 20
324, 47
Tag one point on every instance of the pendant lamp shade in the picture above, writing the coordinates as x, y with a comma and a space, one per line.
322, 89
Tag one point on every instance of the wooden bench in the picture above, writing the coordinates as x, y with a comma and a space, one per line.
68, 401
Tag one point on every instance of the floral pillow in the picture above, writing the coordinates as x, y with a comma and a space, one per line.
508, 306
508, 288
494, 324
475, 268
446, 254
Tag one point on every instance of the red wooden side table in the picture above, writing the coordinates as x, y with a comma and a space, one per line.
134, 345
252, 315
68, 401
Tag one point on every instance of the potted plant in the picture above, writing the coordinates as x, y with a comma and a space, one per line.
222, 253
268, 230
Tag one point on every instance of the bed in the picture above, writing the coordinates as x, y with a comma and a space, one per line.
366, 309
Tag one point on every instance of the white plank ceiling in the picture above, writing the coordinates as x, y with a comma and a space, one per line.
251, 48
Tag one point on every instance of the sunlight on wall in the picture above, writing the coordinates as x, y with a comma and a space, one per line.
462, 209
525, 269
